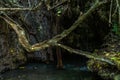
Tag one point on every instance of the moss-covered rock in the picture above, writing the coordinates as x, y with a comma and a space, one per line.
11, 52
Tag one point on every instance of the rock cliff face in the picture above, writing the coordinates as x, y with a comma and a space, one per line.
11, 52
37, 27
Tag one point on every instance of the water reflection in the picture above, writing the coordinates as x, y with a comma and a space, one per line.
47, 72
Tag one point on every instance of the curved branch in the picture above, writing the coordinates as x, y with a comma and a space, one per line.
86, 54
54, 41
21, 9
15, 9
25, 43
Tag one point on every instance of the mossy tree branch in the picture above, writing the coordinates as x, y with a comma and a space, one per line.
54, 41
31, 8
86, 54
21, 8
25, 43
118, 6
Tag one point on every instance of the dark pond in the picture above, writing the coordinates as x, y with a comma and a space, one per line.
35, 71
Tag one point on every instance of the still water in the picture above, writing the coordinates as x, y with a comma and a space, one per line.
34, 71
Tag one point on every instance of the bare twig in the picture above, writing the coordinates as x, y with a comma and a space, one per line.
110, 20
118, 6
115, 11
86, 54
63, 2
30, 7
15, 9
21, 9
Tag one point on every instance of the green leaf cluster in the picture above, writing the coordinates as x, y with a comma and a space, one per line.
59, 11
116, 29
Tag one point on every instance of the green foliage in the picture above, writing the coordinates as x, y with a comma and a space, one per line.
116, 29
59, 11
13, 1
